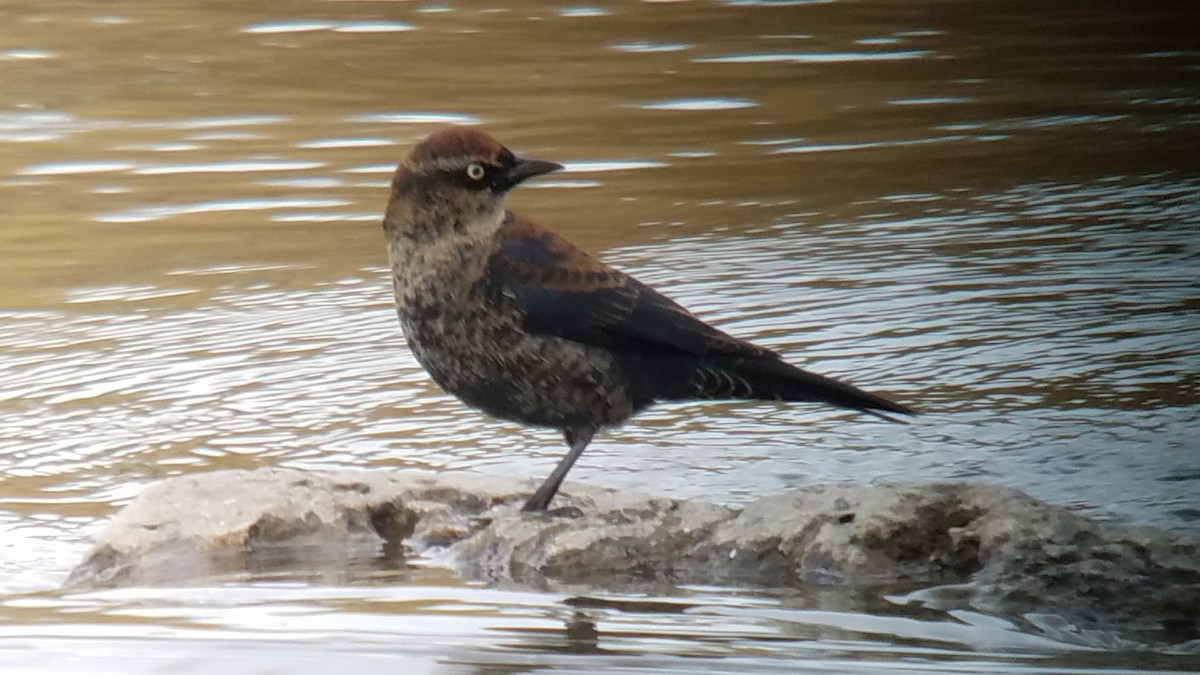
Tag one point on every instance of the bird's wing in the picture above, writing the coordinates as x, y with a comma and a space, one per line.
563, 291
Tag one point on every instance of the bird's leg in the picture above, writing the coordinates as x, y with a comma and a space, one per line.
578, 440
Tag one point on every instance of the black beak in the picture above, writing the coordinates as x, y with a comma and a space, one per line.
524, 168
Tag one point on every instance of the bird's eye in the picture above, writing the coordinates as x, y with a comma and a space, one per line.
475, 171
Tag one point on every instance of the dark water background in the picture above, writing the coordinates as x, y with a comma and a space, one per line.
988, 210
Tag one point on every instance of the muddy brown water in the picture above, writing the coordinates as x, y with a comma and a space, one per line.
988, 210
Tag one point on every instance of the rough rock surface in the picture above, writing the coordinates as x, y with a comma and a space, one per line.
980, 546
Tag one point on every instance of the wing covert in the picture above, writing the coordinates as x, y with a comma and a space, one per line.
565, 292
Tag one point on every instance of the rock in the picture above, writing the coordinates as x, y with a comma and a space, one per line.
978, 546
229, 521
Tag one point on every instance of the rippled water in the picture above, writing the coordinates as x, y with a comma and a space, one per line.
991, 212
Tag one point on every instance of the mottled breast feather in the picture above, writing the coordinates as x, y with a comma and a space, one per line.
563, 291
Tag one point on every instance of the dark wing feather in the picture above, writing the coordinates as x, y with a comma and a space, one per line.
565, 292
670, 354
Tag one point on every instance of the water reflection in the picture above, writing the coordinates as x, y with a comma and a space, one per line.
304, 26
149, 213
413, 118
488, 631
642, 47
815, 57
708, 104
66, 168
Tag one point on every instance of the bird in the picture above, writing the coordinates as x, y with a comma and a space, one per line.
516, 321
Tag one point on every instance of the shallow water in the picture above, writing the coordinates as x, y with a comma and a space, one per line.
991, 212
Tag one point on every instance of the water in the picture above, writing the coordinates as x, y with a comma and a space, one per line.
991, 212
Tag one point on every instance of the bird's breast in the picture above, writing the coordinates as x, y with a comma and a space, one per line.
476, 349
446, 262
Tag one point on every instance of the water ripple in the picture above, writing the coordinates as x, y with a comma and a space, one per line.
699, 104
373, 27
123, 294
228, 121
414, 118
40, 127
26, 55
72, 168
308, 217
866, 145
601, 165
382, 169
582, 11
816, 57
354, 142
774, 3
286, 26
144, 214
233, 166
642, 47
930, 100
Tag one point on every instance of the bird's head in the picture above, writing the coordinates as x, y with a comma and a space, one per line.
457, 176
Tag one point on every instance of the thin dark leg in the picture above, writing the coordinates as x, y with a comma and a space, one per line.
578, 439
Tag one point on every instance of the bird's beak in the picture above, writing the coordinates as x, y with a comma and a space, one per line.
525, 168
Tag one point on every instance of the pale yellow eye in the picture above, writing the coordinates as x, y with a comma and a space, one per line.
475, 171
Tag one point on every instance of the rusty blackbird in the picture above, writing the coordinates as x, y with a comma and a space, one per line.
515, 321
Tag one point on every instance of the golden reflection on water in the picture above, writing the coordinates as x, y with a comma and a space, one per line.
989, 212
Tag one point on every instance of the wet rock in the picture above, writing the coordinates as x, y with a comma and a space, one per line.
225, 522
977, 546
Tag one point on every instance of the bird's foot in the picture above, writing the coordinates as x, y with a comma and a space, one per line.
560, 512
571, 512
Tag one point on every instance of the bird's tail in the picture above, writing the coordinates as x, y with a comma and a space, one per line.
774, 379
716, 377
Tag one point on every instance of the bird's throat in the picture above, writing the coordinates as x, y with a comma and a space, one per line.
444, 266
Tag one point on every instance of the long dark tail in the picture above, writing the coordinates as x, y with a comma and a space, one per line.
773, 379
734, 377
